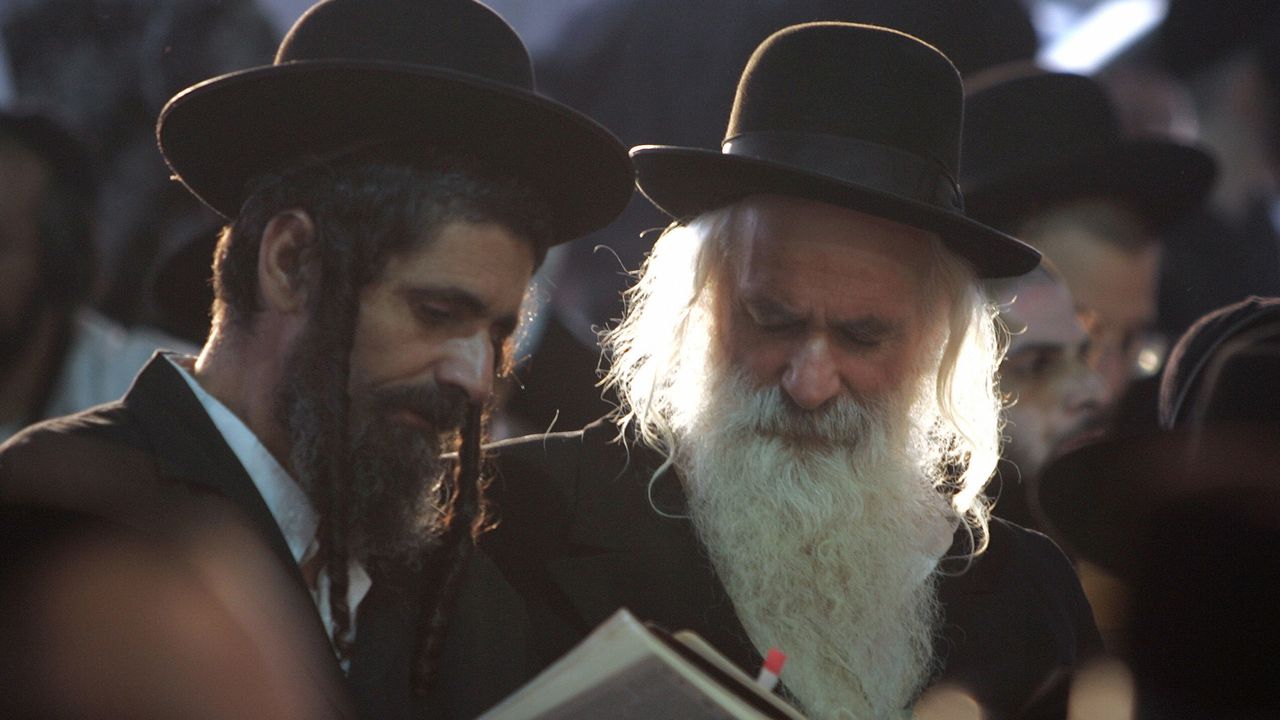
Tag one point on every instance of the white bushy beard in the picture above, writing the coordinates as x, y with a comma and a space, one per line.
826, 532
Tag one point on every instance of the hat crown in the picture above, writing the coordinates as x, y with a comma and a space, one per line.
1037, 115
1188, 382
406, 76
856, 82
453, 35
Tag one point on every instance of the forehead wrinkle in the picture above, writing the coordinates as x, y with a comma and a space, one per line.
869, 296
464, 258
813, 258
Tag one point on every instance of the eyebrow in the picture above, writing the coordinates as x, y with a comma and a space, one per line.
872, 326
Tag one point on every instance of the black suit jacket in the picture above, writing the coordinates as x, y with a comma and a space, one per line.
155, 462
578, 539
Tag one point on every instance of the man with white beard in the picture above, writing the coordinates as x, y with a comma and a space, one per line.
809, 416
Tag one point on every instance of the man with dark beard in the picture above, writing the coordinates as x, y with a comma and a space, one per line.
393, 180
809, 412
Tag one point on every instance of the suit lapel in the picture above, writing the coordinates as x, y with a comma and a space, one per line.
189, 448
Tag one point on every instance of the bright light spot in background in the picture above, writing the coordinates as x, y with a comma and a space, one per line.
1149, 361
1085, 45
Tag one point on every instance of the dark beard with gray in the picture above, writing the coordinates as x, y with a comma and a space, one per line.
392, 447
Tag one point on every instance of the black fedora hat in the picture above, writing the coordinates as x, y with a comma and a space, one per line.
1033, 137
441, 73
859, 116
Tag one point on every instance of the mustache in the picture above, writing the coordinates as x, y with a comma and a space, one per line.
444, 407
768, 412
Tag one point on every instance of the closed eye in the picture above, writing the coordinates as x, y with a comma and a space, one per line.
441, 307
866, 333
861, 339
1034, 362
771, 317
434, 313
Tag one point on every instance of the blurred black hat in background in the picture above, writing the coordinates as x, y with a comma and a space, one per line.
1033, 137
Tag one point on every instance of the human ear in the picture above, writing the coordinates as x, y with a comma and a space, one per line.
287, 261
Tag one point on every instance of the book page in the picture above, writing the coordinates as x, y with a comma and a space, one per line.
622, 671
647, 690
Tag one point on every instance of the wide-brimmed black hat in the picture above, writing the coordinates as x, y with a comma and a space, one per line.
425, 73
859, 116
1034, 137
1220, 409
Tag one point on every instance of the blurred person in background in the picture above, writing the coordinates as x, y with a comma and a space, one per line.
57, 354
1056, 398
104, 69
1185, 522
1046, 160
1227, 56
390, 182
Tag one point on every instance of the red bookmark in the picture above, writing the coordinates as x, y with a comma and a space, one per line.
772, 669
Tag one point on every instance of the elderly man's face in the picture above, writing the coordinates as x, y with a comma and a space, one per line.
1057, 394
824, 301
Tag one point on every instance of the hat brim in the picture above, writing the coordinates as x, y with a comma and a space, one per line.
684, 182
222, 133
1161, 180
1102, 500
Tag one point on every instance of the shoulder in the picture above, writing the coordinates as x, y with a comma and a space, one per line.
94, 462
558, 463
1025, 571
541, 485
1016, 623
54, 438
1032, 556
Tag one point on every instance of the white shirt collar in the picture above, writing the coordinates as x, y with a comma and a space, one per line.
286, 501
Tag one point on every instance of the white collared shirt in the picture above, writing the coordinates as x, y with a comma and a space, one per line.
287, 502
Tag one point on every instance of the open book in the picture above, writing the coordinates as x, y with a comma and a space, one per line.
625, 670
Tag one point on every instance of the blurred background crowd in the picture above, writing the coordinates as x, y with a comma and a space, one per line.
1144, 357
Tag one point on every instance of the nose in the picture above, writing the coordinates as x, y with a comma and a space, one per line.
1090, 390
811, 377
467, 363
